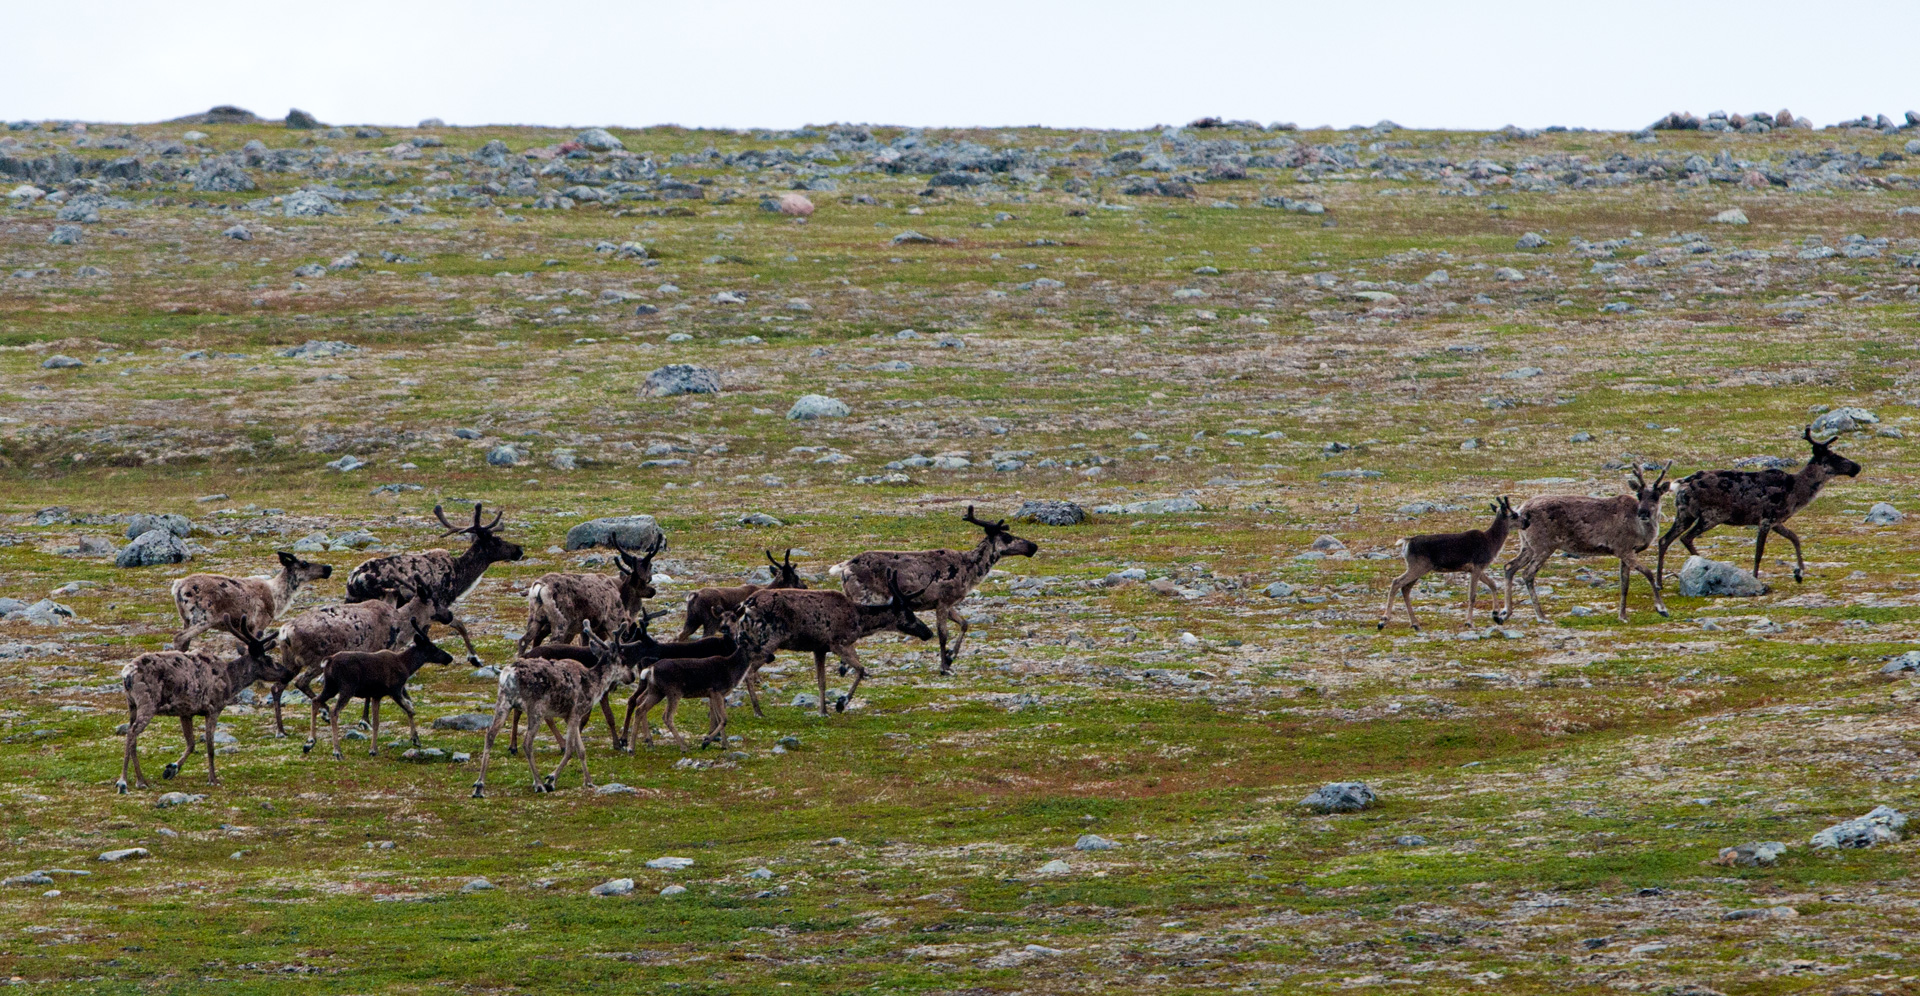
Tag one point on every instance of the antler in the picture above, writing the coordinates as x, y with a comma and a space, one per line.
1807, 433
1639, 480
441, 514
1000, 526
498, 514
1663, 473
770, 560
789, 556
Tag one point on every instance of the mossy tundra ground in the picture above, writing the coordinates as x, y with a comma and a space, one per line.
1551, 794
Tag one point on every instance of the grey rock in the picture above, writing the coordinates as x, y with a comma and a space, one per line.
1152, 506
30, 878
346, 463
1731, 216
1048, 512
816, 406
760, 519
1278, 589
911, 237
65, 235
60, 361
126, 854
1531, 240
1905, 663
172, 799
615, 788
1843, 419
1884, 514
302, 121
467, 721
478, 885
669, 863
155, 546
599, 140
421, 754
681, 378
307, 204
1703, 578
238, 233
1509, 275
172, 522
503, 455
1411, 840
805, 700
1880, 826
1340, 797
1093, 842
673, 890
46, 612
316, 349
1758, 854
614, 887
221, 177
635, 532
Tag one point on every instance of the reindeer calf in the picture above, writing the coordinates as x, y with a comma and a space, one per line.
375, 675
1453, 553
709, 608
822, 622
672, 680
552, 687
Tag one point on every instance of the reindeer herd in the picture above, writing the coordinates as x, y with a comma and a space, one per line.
370, 646
1622, 527
588, 634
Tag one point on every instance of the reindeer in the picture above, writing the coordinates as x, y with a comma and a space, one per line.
319, 633
185, 683
1453, 553
709, 608
634, 643
672, 680
215, 601
560, 604
645, 649
1765, 499
1620, 526
941, 579
439, 576
822, 622
552, 687
374, 675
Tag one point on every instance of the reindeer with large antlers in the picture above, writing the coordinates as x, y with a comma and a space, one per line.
1620, 526
438, 576
938, 579
1765, 499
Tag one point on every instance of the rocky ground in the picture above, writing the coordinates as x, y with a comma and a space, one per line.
1257, 356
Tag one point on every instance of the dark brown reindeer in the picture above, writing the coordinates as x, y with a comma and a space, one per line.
645, 650
940, 579
1764, 499
553, 687
1620, 526
436, 574
374, 675
670, 681
821, 622
1466, 553
558, 604
319, 633
709, 608
216, 601
185, 683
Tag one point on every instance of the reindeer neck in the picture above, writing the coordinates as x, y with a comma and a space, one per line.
467, 569
874, 618
282, 586
1808, 480
1498, 531
239, 672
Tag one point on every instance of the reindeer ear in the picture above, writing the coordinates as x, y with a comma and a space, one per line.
287, 559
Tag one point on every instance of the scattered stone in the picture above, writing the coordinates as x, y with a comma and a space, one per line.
155, 546
1905, 663
1531, 240
796, 205
478, 885
680, 378
1340, 797
238, 233
1411, 840
1844, 419
614, 887
30, 878
503, 455
635, 532
1880, 826
60, 361
814, 406
171, 799
1050, 512
301, 120
760, 519
1152, 506
141, 522
467, 722
1731, 216
1278, 589
346, 463
1093, 842
1755, 855
615, 788
1703, 578
1884, 514
599, 140
1055, 867
912, 237
670, 863
126, 854
316, 349
1509, 275
65, 235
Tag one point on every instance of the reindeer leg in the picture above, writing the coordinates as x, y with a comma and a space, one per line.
580, 749
278, 689
135, 726
486, 751
606, 709
1679, 528
753, 690
533, 727
940, 630
373, 744
850, 660
820, 674
186, 728
213, 719
1626, 575
185, 640
716, 719
1473, 590
459, 626
673, 703
958, 641
1393, 593
647, 702
1533, 571
1659, 604
405, 702
566, 751
513, 729
1493, 593
1799, 562
1511, 569
333, 720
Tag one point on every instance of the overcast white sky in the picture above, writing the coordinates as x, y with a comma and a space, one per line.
745, 63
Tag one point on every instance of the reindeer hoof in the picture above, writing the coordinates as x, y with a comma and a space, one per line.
1377, 627
540, 789
339, 756
479, 791
1796, 577
306, 748
549, 782
840, 704
1664, 614
170, 770
123, 788
473, 660
843, 670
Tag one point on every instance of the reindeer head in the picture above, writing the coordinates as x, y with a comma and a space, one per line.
1002, 542
255, 648
1647, 496
785, 575
1503, 512
904, 620
301, 571
430, 652
636, 573
486, 545
1832, 462
417, 605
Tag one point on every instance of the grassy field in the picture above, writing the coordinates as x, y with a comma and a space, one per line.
1551, 795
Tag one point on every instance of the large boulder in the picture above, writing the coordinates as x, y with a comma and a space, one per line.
1050, 513
221, 177
1881, 826
140, 522
1340, 797
813, 406
635, 532
1844, 419
1703, 578
1152, 506
301, 120
681, 378
599, 139
153, 547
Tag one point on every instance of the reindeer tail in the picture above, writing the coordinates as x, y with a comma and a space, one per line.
837, 570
